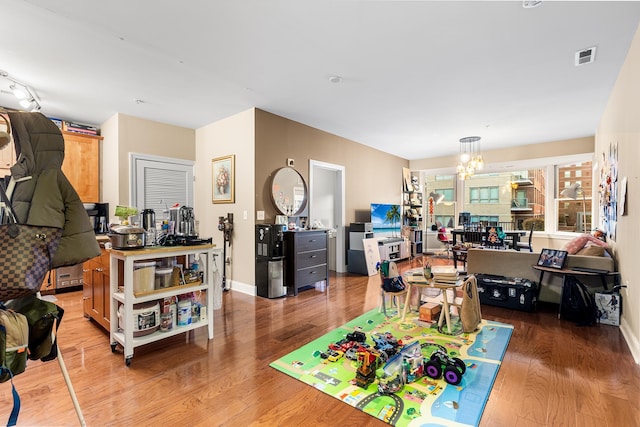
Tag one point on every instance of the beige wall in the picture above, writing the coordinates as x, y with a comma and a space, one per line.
124, 135
620, 124
370, 175
233, 135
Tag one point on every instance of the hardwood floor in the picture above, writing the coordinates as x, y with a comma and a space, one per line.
553, 374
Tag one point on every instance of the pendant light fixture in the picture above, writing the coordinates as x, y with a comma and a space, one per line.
470, 157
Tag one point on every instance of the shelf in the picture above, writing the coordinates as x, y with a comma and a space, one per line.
155, 336
161, 293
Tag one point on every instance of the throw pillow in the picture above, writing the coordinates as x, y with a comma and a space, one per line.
591, 251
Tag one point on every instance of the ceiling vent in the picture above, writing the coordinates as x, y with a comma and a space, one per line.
585, 56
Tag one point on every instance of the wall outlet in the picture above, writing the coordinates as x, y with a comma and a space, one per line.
290, 162
260, 215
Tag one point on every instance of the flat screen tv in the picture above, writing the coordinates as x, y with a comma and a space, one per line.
386, 220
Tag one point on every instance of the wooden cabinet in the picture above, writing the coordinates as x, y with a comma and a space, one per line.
306, 259
81, 164
95, 290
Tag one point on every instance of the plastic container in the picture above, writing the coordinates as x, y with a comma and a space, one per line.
144, 276
184, 312
166, 321
163, 277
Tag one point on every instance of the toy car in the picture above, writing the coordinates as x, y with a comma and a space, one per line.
334, 355
356, 336
441, 364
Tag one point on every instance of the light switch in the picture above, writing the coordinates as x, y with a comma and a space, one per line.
244, 215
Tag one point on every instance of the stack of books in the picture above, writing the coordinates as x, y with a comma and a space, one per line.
79, 128
444, 274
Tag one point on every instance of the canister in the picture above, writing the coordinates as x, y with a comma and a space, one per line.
166, 321
163, 277
143, 276
184, 312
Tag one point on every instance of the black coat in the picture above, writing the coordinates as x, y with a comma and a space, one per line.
48, 198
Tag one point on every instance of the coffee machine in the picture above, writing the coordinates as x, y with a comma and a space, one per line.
98, 216
184, 221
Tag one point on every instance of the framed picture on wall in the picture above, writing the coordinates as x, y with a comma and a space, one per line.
223, 179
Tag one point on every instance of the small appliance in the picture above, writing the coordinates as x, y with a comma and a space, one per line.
98, 216
127, 237
186, 225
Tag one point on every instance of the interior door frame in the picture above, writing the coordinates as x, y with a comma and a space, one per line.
339, 207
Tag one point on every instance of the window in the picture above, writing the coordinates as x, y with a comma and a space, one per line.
484, 195
158, 183
448, 193
574, 214
521, 196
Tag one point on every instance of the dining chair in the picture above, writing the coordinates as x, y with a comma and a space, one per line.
445, 239
526, 245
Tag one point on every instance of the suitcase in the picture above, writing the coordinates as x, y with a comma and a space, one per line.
508, 292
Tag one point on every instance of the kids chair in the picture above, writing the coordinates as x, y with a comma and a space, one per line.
388, 270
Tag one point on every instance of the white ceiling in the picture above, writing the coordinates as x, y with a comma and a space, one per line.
416, 75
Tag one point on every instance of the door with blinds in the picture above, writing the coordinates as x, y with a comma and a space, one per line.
159, 183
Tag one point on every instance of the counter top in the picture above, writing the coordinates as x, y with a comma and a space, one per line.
151, 250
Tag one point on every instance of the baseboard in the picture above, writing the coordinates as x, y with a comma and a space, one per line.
632, 342
243, 288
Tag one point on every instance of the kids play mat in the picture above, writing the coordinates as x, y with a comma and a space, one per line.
424, 402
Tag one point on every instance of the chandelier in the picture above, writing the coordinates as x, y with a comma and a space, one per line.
470, 157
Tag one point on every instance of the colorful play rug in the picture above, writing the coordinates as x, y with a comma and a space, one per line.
424, 402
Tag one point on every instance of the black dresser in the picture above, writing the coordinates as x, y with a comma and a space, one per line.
306, 259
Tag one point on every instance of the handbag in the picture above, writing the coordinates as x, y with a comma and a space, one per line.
26, 254
14, 338
43, 318
470, 314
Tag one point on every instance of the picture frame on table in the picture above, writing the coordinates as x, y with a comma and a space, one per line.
552, 258
223, 179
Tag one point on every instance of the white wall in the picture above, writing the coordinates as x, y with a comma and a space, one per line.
234, 135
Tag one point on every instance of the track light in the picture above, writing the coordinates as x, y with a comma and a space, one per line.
25, 96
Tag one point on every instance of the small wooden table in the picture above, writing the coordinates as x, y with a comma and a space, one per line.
419, 282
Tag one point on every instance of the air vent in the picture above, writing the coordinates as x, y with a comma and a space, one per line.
585, 56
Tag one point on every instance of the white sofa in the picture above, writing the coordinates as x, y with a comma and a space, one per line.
511, 263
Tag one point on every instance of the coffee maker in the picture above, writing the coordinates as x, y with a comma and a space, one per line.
184, 221
98, 216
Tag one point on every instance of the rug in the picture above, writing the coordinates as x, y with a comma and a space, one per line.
425, 402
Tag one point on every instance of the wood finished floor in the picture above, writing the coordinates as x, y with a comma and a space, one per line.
553, 374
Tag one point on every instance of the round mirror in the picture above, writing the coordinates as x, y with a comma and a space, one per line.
288, 192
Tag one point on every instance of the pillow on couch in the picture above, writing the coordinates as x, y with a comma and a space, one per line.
592, 251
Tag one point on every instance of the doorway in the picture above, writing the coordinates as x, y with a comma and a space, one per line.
327, 206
